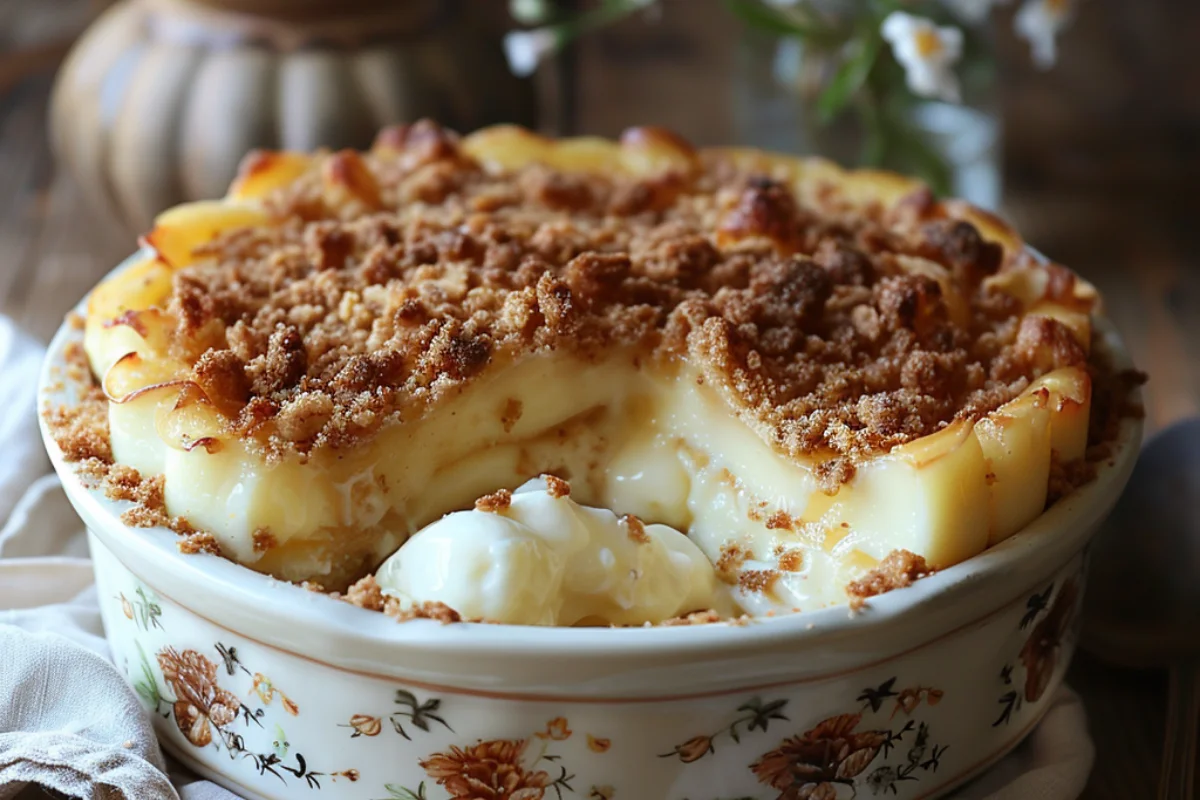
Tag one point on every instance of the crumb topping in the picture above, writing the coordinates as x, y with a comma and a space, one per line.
706, 617
900, 568
729, 562
398, 276
757, 580
263, 540
635, 529
556, 486
790, 559
367, 594
494, 503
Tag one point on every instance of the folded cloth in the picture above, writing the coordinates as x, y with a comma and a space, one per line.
69, 722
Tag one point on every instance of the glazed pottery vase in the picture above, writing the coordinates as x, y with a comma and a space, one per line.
160, 99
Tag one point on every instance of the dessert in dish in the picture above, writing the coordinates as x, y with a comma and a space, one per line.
761, 384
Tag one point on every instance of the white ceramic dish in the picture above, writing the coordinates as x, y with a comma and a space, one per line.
276, 692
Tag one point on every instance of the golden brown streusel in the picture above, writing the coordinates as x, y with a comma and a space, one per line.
898, 569
195, 543
789, 559
706, 617
425, 268
757, 580
730, 561
780, 520
431, 609
495, 503
364, 593
263, 540
635, 529
556, 486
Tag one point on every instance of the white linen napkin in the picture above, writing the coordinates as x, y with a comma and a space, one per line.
69, 722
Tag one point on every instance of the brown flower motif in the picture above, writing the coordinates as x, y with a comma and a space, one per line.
488, 771
365, 725
556, 730
1040, 653
200, 701
693, 749
266, 691
598, 744
809, 766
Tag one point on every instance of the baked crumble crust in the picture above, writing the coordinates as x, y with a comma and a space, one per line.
422, 268
898, 569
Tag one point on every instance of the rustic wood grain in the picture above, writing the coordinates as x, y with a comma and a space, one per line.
1101, 161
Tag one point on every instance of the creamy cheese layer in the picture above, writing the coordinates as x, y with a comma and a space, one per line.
546, 560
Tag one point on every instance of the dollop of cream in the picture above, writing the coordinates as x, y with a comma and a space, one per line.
547, 560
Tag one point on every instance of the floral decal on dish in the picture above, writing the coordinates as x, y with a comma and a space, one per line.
754, 714
421, 714
209, 714
1042, 649
838, 751
143, 608
505, 769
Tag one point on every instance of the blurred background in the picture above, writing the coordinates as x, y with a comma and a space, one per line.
112, 111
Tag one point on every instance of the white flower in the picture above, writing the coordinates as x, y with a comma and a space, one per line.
529, 12
1039, 22
927, 53
972, 12
526, 49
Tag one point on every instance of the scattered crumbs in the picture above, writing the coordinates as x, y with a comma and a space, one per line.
706, 617
844, 525
127, 744
740, 622
758, 580
731, 559
313, 586
511, 413
780, 520
91, 472
494, 503
81, 430
364, 593
264, 540
635, 529
834, 472
76, 321
432, 609
557, 486
199, 542
898, 569
790, 560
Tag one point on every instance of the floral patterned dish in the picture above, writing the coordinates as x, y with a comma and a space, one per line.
276, 692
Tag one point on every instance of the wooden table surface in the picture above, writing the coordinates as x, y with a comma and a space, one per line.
1139, 245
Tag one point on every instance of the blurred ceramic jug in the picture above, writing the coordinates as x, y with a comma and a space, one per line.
160, 99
